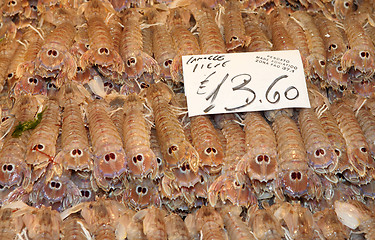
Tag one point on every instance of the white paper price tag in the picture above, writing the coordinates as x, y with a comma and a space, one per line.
242, 82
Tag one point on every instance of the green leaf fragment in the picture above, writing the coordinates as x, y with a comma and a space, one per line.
21, 127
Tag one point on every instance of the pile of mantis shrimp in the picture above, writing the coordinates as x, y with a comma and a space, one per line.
96, 142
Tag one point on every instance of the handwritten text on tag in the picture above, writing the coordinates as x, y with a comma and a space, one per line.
241, 82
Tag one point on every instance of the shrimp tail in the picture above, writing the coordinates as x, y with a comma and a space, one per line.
104, 57
139, 62
317, 64
361, 60
79, 158
356, 159
176, 69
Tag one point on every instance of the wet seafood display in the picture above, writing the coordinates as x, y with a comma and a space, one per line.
96, 141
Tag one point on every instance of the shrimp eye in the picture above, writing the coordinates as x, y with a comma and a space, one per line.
52, 53
346, 5
8, 168
131, 61
259, 159
338, 152
51, 85
144, 85
202, 179
56, 185
139, 189
296, 176
237, 184
103, 50
266, 159
332, 46
144, 191
38, 147
4, 119
363, 149
10, 75
158, 160
167, 63
364, 54
183, 168
320, 152
86, 193
112, 156
172, 149
12, 3
210, 150
299, 176
34, 8
76, 152
322, 63
79, 152
234, 38
137, 158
